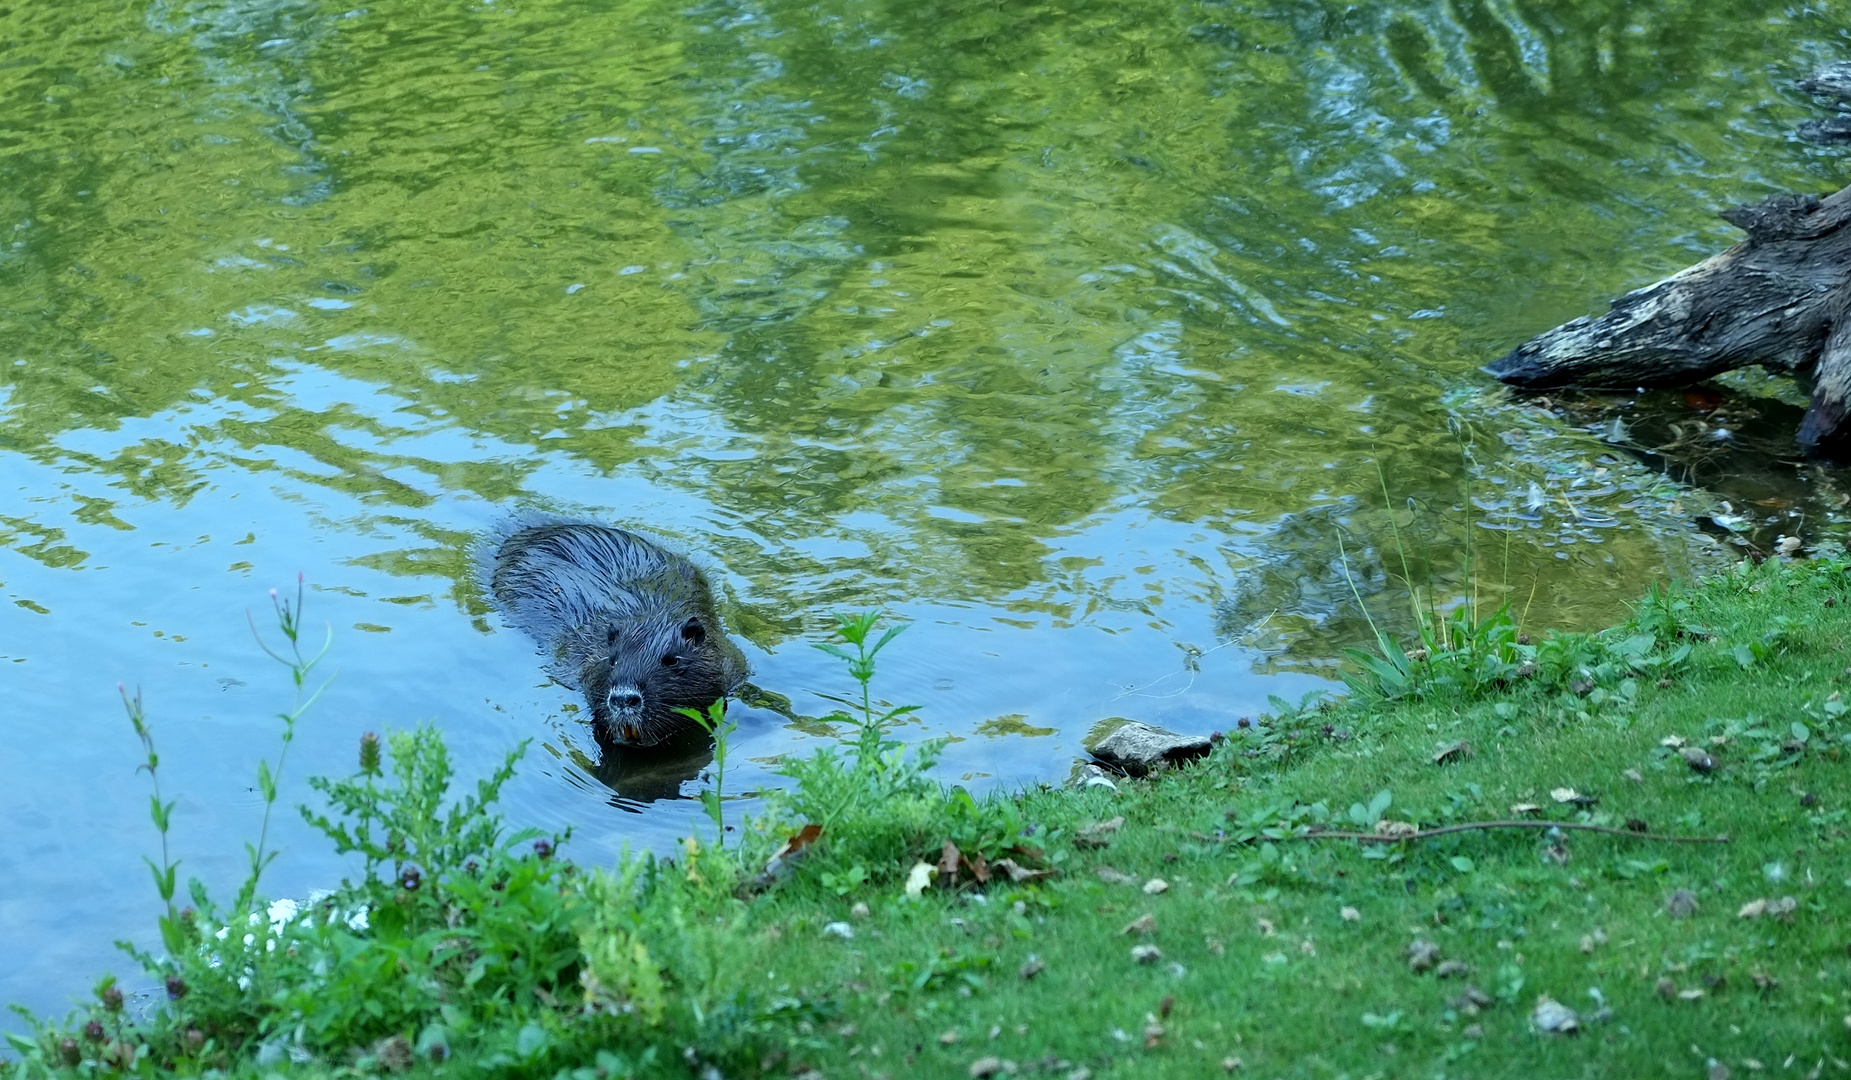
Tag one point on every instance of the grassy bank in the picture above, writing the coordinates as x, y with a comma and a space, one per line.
1259, 948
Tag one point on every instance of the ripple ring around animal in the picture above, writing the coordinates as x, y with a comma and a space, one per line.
622, 619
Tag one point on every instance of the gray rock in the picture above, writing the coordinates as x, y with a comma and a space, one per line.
1139, 748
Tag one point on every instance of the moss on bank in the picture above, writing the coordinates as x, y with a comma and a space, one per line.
1276, 954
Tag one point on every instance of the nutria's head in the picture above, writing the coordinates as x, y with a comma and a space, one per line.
646, 670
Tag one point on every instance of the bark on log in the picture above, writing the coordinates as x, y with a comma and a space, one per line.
1781, 299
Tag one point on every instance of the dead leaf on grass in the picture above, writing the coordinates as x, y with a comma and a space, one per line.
1422, 955
985, 1067
1386, 827
1156, 886
1525, 808
1551, 1017
1780, 908
948, 859
920, 878
1698, 759
1350, 914
1033, 967
1681, 904
1099, 834
1112, 876
1471, 1000
1146, 954
1450, 968
1634, 775
1018, 873
1144, 925
1458, 751
779, 865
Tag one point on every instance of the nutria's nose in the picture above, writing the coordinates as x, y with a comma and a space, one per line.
626, 700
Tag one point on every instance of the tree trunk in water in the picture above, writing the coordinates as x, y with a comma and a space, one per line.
1781, 299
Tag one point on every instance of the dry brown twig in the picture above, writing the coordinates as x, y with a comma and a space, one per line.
1396, 838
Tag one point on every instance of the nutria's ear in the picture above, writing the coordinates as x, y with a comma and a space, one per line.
693, 632
611, 638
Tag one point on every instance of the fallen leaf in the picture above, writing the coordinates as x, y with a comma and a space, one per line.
920, 878
1681, 904
985, 1067
1114, 877
1153, 1034
1698, 759
1754, 909
1144, 925
861, 910
1033, 967
1422, 955
779, 865
1672, 741
1265, 926
1765, 982
1525, 808
1587, 943
1155, 886
979, 868
839, 929
1450, 968
1570, 795
1098, 834
1472, 999
1553, 1017
948, 860
1350, 914
1717, 1071
950, 1036
1385, 827
1692, 995
1230, 1064
1634, 775
1666, 988
1146, 954
1782, 907
1019, 873
1458, 751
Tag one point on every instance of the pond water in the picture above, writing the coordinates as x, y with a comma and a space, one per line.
1109, 345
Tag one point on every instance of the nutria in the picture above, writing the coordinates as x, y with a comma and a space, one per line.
625, 621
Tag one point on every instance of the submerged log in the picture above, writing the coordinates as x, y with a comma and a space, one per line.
1781, 299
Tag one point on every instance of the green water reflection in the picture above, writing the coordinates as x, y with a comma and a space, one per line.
943, 303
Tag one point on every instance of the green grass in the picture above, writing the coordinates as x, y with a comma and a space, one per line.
1274, 976
675, 975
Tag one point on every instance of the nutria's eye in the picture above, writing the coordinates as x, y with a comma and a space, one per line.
669, 660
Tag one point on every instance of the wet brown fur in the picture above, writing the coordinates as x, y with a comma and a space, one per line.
624, 620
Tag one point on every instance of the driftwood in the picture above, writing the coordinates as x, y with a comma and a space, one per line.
1781, 299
